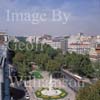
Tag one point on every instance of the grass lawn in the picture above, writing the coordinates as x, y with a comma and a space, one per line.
37, 75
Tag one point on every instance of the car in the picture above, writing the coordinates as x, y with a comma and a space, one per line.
27, 97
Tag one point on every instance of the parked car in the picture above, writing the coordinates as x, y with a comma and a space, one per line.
27, 97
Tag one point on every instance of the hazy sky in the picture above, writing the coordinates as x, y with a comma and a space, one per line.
84, 16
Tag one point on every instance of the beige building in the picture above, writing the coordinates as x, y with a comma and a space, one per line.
95, 53
3, 37
80, 48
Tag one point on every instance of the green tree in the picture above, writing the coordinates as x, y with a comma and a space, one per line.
19, 57
52, 65
41, 59
50, 51
89, 93
79, 63
96, 66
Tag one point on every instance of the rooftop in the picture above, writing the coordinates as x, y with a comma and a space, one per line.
2, 33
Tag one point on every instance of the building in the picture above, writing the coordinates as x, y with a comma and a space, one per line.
56, 42
4, 70
33, 39
80, 48
98, 39
3, 38
13, 38
64, 44
79, 43
95, 53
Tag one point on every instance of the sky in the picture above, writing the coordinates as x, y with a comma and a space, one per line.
81, 16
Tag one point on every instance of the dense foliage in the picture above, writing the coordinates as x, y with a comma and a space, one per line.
90, 93
49, 59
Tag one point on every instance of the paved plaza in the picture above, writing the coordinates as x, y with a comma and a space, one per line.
35, 84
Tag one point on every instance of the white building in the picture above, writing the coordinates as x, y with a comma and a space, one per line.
13, 38
53, 43
56, 43
79, 43
98, 39
80, 48
33, 39
95, 53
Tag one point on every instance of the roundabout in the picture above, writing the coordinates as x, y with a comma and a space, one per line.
56, 94
51, 93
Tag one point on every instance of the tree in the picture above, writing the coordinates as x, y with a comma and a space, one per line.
52, 65
20, 61
50, 59
89, 93
96, 66
50, 51
79, 63
19, 57
41, 59
85, 66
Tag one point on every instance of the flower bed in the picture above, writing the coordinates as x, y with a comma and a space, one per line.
45, 97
